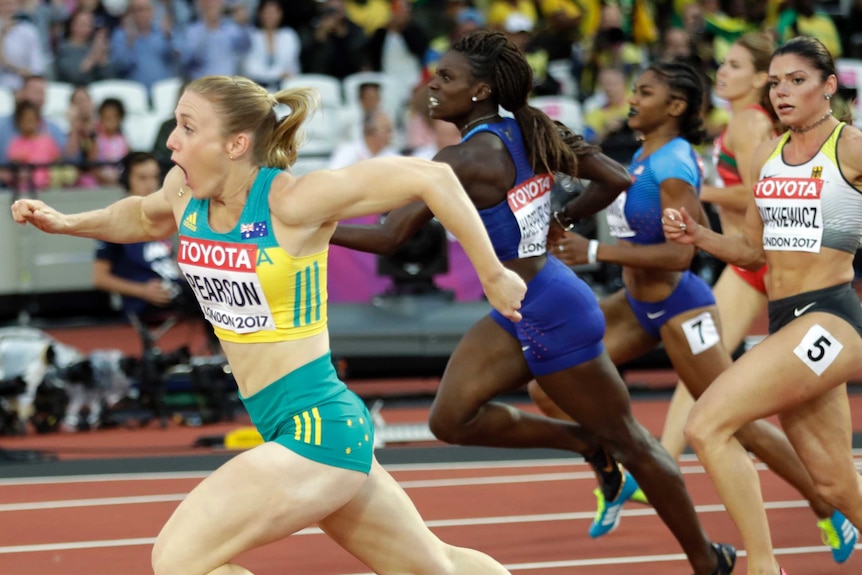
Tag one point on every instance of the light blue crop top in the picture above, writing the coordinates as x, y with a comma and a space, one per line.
635, 215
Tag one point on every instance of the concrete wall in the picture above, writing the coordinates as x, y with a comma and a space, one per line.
35, 262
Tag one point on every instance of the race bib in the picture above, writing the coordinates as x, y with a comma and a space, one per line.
791, 212
224, 279
530, 203
618, 225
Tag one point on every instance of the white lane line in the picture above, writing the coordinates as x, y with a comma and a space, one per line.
640, 559
688, 465
434, 524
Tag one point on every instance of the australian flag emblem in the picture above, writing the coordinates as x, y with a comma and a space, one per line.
255, 230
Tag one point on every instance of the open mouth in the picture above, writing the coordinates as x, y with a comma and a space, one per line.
185, 173
632, 112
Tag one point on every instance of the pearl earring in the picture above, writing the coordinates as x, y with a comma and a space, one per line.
475, 99
827, 96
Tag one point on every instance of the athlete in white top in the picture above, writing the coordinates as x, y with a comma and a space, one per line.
804, 222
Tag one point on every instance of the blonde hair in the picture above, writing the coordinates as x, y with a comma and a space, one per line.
243, 106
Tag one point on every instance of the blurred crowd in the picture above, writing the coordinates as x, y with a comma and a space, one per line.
83, 83
584, 50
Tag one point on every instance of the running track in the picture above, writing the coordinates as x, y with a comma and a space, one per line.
531, 514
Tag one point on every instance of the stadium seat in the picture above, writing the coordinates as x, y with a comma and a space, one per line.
394, 93
141, 130
164, 95
132, 94
328, 86
7, 102
57, 96
561, 108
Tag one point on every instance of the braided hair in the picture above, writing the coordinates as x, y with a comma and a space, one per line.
496, 60
687, 83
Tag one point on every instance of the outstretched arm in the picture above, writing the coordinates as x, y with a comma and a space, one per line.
130, 220
383, 184
384, 239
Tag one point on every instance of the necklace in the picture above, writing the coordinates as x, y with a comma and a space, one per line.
810, 127
472, 123
242, 186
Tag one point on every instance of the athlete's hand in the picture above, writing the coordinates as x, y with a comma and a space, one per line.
505, 291
40, 215
679, 226
570, 248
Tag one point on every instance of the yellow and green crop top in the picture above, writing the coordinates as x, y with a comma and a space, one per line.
248, 287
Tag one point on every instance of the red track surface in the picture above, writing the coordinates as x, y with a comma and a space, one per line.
531, 515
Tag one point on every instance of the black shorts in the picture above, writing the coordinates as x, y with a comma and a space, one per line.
840, 300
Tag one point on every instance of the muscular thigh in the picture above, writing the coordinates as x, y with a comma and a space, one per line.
692, 342
793, 366
382, 528
820, 430
487, 361
624, 339
259, 496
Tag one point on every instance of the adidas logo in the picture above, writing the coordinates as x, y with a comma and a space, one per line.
612, 515
848, 532
191, 222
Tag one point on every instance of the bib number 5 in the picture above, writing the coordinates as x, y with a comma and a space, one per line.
818, 349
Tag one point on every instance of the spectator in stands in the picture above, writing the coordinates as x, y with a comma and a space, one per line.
46, 15
725, 21
83, 54
275, 48
802, 18
32, 90
21, 48
499, 10
376, 142
369, 15
397, 47
676, 43
111, 143
81, 141
101, 17
215, 44
179, 13
352, 274
31, 146
561, 27
145, 275
354, 119
464, 21
609, 48
336, 45
519, 29
613, 113
144, 49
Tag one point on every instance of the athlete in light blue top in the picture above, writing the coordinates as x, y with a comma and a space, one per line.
663, 301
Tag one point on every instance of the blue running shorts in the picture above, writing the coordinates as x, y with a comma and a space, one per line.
562, 324
690, 293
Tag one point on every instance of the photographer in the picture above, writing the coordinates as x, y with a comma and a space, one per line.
335, 46
144, 274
